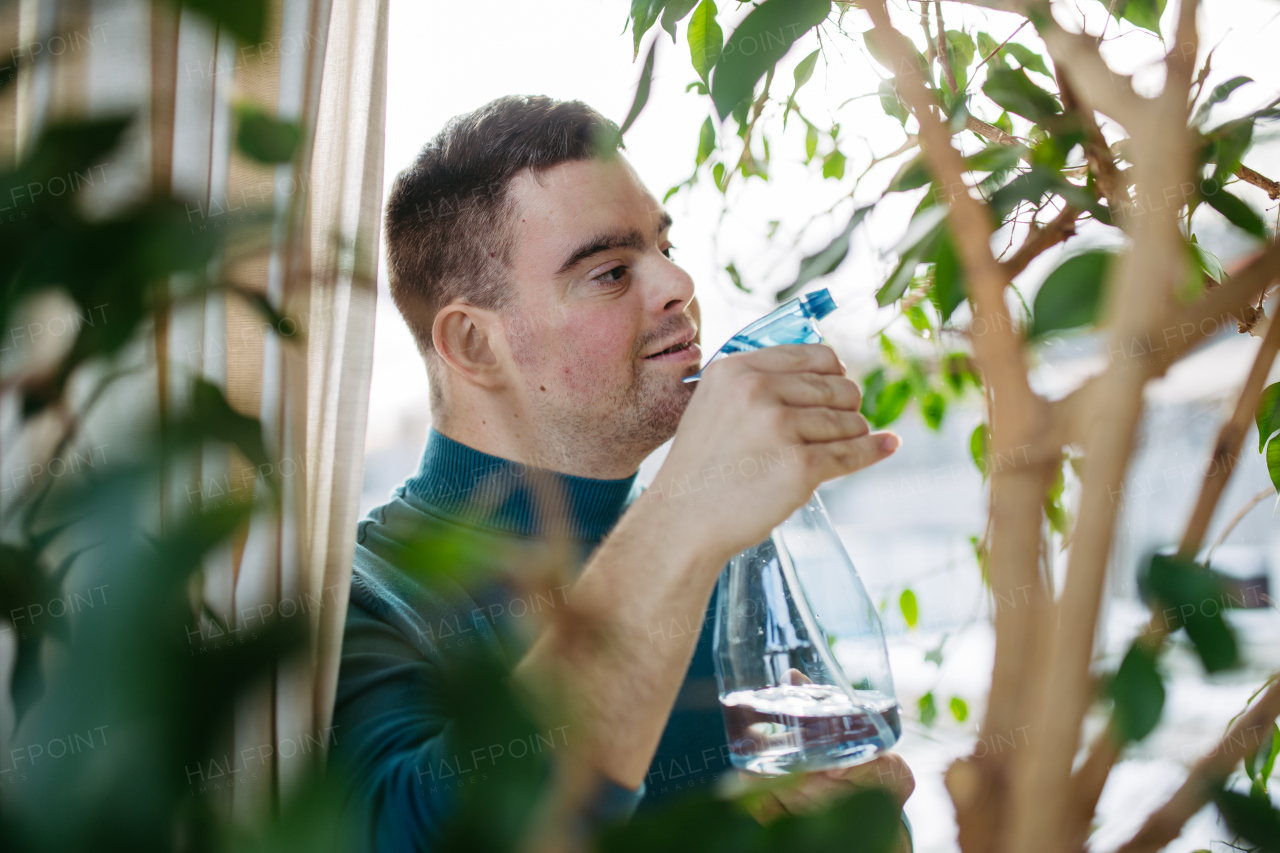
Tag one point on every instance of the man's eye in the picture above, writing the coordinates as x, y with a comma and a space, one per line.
612, 276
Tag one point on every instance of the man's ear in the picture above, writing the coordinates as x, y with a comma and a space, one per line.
471, 341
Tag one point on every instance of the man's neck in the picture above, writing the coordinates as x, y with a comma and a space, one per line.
509, 435
507, 496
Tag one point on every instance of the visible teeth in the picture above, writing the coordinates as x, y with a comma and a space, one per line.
671, 349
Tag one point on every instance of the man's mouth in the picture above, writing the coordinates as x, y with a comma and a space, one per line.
674, 348
682, 347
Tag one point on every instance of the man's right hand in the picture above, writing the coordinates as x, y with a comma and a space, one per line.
762, 431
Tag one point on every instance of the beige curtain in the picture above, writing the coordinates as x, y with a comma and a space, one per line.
322, 63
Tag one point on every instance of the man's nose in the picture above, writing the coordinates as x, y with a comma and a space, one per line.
675, 289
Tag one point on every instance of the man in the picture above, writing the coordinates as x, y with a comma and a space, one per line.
535, 271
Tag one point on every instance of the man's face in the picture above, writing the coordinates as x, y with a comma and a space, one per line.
604, 324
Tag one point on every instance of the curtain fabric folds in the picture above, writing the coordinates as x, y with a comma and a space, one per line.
321, 63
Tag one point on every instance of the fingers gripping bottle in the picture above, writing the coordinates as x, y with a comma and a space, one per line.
799, 651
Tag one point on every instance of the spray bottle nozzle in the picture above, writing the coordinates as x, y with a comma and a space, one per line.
790, 323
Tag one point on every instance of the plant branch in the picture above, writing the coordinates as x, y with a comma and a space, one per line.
1140, 294
1272, 188
1018, 483
1087, 784
944, 56
1059, 230
1166, 822
1181, 58
990, 132
1101, 157
1077, 56
1236, 519
1227, 449
1219, 304
997, 49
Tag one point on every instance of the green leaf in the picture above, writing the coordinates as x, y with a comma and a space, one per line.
213, 416
891, 103
244, 19
948, 279
960, 53
995, 158
706, 141
928, 710
644, 14
1027, 58
1231, 140
697, 86
1273, 464
890, 402
265, 138
876, 46
1140, 13
978, 441
810, 142
1185, 595
833, 165
957, 370
762, 39
1209, 263
920, 241
1237, 212
706, 39
987, 46
1029, 186
1054, 510
669, 193
959, 709
804, 71
911, 175
910, 609
1261, 761
1268, 415
1015, 92
1219, 94
957, 114
674, 13
888, 350
1070, 297
1253, 819
1138, 692
719, 175
872, 384
642, 91
933, 406
826, 260
934, 655
736, 278
918, 319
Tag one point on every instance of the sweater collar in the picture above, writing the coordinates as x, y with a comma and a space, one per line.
514, 497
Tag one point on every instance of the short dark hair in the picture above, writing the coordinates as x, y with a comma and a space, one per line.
448, 215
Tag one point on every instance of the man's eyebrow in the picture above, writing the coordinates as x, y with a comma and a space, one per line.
617, 240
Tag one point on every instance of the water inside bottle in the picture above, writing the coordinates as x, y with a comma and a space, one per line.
804, 727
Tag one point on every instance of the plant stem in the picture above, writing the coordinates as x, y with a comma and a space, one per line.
1227, 449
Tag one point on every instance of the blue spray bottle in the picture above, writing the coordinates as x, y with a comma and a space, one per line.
801, 663
792, 322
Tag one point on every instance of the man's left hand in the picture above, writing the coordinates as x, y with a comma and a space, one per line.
817, 790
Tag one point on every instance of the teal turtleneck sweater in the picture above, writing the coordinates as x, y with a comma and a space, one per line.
391, 727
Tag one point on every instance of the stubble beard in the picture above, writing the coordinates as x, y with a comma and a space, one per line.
629, 424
